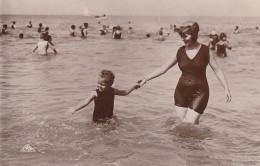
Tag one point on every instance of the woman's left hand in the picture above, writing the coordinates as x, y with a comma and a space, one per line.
228, 95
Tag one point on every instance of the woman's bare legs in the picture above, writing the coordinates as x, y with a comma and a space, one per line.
187, 115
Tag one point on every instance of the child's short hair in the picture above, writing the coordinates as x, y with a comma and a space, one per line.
72, 26
222, 35
109, 75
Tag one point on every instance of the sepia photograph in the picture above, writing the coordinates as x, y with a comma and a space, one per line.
129, 83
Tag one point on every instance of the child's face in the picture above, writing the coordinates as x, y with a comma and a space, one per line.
102, 84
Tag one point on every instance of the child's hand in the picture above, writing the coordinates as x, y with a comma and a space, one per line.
141, 82
136, 85
70, 111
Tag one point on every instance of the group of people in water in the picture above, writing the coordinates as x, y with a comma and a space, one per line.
192, 91
217, 43
116, 30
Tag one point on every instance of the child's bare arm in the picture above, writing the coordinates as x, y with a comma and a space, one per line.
228, 45
127, 91
82, 104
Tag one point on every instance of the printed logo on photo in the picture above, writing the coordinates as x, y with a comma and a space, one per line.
27, 148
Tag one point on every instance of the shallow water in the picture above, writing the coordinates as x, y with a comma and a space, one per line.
36, 91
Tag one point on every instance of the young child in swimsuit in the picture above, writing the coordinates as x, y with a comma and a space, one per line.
43, 46
222, 45
103, 97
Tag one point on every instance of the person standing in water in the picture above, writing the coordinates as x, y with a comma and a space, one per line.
236, 31
84, 31
117, 32
13, 25
4, 30
222, 45
192, 91
30, 25
40, 28
43, 46
103, 97
213, 39
73, 31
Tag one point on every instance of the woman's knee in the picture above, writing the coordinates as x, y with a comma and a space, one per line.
181, 112
192, 116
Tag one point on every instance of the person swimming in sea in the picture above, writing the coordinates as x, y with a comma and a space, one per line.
20, 35
4, 30
222, 45
103, 97
148, 35
30, 25
43, 46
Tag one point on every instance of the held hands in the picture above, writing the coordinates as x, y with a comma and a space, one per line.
142, 81
228, 95
136, 85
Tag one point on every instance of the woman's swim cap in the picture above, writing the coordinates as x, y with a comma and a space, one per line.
190, 28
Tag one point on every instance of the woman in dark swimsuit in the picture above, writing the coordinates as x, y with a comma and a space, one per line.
192, 92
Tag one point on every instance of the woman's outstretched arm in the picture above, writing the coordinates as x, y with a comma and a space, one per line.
159, 71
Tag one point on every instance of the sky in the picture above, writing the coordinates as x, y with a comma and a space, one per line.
133, 7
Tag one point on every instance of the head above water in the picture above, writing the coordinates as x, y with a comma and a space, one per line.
148, 35
5, 26
108, 76
189, 28
20, 35
222, 36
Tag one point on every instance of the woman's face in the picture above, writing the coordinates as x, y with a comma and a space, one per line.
187, 39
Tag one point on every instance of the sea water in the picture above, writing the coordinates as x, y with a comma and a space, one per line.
36, 91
